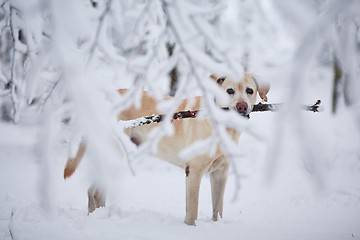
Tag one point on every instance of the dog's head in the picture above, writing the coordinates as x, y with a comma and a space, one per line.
242, 95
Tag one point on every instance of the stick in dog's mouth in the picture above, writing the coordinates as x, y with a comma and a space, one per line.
242, 114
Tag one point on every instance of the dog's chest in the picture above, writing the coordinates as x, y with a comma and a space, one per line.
169, 148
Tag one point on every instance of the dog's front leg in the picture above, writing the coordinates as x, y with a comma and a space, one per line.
96, 196
218, 179
193, 180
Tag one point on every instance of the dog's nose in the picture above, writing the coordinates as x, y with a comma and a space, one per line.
242, 107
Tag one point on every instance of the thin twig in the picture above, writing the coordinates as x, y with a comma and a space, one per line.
142, 14
50, 93
2, 5
98, 29
12, 70
11, 225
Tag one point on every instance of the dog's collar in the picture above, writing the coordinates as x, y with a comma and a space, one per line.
228, 109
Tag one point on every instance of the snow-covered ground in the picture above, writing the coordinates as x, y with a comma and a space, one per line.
304, 199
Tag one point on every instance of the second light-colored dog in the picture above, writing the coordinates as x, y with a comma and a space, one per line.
242, 97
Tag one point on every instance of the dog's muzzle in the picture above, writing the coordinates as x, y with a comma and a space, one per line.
241, 113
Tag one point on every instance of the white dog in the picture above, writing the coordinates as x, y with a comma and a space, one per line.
242, 97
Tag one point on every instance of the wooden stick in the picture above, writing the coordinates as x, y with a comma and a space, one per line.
260, 107
276, 106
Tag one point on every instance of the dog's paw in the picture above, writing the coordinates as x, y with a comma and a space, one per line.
190, 221
216, 216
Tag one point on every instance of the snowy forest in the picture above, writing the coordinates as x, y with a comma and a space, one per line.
294, 174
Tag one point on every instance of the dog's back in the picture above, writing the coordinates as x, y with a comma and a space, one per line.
186, 131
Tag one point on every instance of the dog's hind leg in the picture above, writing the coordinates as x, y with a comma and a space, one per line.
193, 180
97, 197
218, 179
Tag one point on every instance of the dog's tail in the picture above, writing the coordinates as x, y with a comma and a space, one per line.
73, 162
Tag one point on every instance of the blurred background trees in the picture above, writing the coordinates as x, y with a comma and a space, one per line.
137, 38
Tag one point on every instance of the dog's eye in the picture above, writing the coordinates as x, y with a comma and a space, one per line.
220, 80
230, 91
249, 91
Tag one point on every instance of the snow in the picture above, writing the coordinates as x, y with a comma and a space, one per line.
151, 205
139, 121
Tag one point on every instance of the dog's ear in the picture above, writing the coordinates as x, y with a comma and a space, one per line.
263, 91
219, 80
263, 88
